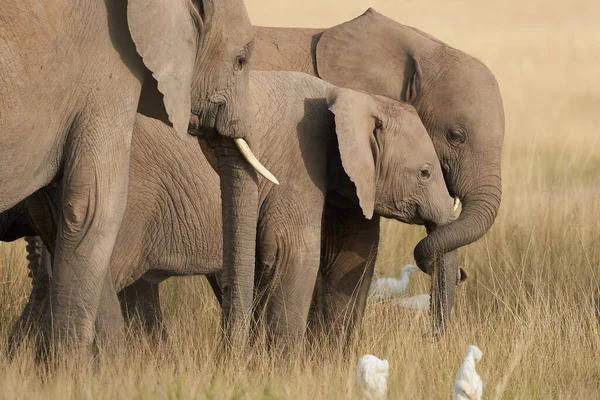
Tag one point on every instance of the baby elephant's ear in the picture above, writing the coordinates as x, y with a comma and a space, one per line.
355, 121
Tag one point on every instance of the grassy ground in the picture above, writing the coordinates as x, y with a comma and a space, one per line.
529, 302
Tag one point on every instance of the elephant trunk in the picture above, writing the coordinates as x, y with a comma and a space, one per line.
443, 283
436, 254
479, 211
239, 203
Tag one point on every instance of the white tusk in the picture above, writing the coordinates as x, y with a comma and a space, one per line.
243, 147
456, 203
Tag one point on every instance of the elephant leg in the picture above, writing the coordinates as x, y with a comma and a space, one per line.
316, 315
42, 209
110, 326
291, 284
347, 264
30, 321
94, 194
140, 302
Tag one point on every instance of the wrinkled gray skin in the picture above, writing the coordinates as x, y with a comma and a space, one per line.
456, 96
368, 156
71, 77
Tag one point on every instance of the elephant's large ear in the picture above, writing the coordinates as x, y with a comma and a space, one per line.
166, 34
372, 53
356, 122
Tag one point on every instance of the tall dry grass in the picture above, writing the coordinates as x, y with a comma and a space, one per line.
529, 302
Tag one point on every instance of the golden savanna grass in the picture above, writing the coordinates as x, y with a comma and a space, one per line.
529, 302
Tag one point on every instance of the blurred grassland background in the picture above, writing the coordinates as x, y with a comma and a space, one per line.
529, 302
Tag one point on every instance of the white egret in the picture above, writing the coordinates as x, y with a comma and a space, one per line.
371, 376
418, 303
468, 384
387, 288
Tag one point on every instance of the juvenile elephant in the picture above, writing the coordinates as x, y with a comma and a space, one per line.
455, 95
343, 157
71, 79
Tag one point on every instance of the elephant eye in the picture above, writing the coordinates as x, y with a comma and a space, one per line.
378, 126
425, 173
240, 62
456, 137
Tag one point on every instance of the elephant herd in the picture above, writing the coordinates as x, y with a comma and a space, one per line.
125, 137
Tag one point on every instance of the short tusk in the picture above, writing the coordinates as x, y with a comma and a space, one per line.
456, 203
242, 145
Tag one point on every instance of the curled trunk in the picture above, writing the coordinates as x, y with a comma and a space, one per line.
436, 254
477, 216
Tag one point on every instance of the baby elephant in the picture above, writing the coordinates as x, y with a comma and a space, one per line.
343, 158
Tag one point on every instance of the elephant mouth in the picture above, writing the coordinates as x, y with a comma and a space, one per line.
450, 186
194, 127
205, 119
406, 216
417, 217
416, 220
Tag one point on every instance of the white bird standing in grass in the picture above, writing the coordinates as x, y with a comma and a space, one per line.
418, 303
387, 288
468, 384
371, 376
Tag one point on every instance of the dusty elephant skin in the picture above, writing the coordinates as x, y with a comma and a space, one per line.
368, 156
72, 75
456, 96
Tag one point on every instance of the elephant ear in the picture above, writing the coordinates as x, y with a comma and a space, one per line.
166, 34
371, 53
356, 121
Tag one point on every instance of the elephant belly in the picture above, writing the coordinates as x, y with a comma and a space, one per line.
30, 153
160, 255
178, 265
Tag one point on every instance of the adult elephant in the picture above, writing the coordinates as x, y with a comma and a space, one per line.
456, 96
71, 75
368, 156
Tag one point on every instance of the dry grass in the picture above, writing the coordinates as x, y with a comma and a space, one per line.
529, 301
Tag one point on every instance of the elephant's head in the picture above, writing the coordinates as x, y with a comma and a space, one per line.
386, 151
198, 52
457, 98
